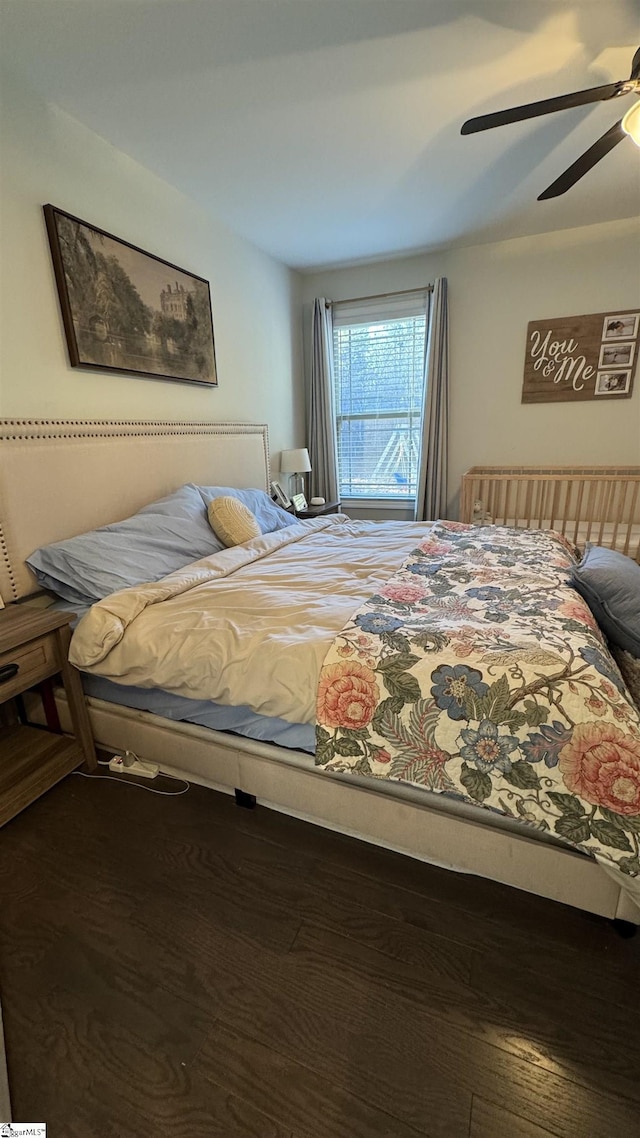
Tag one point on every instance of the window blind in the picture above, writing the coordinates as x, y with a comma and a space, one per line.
379, 394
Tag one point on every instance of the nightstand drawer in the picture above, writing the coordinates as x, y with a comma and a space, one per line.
34, 645
34, 661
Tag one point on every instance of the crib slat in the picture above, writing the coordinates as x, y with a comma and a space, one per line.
617, 512
633, 513
527, 503
578, 510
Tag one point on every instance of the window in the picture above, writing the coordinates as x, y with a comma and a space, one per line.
379, 394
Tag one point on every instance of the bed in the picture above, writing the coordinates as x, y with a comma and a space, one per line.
60, 479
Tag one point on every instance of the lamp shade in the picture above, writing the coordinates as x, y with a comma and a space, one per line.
295, 461
631, 123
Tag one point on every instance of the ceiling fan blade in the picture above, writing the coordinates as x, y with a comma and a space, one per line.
584, 163
544, 107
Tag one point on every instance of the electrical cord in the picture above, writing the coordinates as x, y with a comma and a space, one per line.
140, 785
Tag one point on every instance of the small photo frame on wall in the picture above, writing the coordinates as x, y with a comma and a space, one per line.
126, 310
622, 327
617, 355
613, 382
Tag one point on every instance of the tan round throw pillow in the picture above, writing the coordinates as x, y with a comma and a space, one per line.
232, 521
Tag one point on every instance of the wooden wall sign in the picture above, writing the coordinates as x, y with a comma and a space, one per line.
581, 357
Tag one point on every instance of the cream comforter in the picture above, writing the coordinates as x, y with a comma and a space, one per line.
251, 625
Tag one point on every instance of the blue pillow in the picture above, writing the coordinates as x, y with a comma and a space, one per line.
160, 538
269, 516
610, 584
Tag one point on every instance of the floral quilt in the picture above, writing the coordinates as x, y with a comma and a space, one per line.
478, 672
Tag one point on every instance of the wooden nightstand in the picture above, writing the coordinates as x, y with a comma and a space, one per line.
318, 511
34, 645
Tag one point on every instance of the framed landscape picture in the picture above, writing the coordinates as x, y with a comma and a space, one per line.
126, 310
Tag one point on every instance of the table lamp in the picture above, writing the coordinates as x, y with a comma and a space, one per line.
295, 463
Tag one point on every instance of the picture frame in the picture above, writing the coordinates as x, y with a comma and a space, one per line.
566, 356
623, 326
618, 355
126, 310
281, 497
299, 502
613, 382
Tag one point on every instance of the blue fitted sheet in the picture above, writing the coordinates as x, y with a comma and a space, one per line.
240, 720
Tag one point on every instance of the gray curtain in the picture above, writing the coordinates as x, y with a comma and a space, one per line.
321, 417
431, 498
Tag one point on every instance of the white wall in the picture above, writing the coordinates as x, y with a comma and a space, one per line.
49, 157
494, 291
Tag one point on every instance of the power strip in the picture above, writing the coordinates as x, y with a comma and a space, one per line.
134, 766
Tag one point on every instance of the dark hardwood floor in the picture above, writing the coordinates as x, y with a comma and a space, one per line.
182, 967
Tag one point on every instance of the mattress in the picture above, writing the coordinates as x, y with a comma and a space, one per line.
250, 625
302, 758
307, 605
205, 713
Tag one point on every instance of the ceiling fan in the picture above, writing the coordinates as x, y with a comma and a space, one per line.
630, 124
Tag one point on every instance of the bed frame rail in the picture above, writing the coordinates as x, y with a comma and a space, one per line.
598, 504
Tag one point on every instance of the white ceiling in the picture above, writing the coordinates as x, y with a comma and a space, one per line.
328, 131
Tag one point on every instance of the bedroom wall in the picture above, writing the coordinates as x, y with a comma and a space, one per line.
49, 157
494, 291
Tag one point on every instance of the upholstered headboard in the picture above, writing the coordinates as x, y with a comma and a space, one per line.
60, 478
